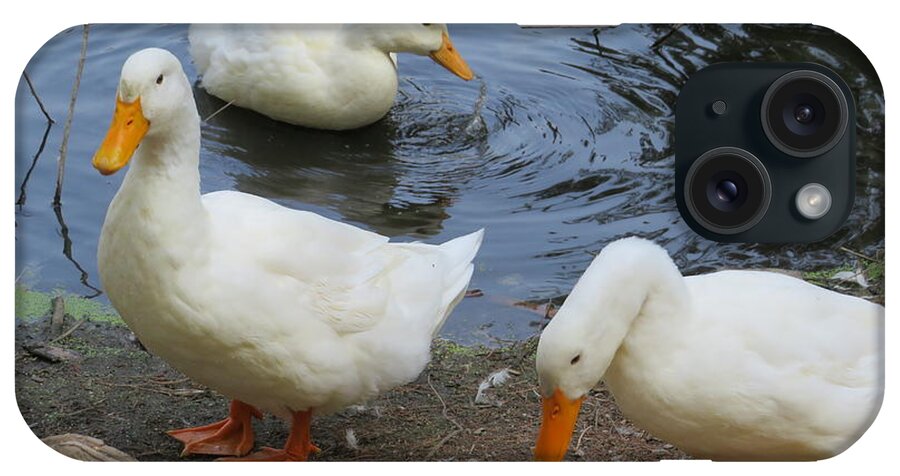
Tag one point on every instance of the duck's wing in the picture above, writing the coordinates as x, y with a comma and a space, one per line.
815, 352
348, 278
238, 46
245, 62
790, 321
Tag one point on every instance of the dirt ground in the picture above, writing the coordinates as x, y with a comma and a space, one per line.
104, 385
115, 391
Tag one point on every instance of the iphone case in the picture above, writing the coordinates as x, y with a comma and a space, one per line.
557, 141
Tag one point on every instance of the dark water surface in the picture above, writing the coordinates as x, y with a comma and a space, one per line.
564, 145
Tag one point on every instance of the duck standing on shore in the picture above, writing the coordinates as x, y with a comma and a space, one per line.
283, 311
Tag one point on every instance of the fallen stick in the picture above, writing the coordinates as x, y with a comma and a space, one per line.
58, 315
82, 409
69, 331
63, 147
459, 428
858, 254
85, 448
178, 392
441, 443
51, 353
578, 444
219, 110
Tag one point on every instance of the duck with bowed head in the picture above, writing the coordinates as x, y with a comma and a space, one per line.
733, 365
321, 76
283, 311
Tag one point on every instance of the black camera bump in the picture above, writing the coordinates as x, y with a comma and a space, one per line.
761, 149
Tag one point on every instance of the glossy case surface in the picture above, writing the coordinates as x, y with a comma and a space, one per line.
562, 143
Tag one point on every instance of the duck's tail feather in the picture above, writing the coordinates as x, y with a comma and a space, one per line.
458, 253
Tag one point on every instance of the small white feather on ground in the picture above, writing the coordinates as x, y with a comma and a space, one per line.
495, 379
352, 442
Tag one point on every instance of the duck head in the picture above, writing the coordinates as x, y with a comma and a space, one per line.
581, 341
568, 368
425, 39
153, 96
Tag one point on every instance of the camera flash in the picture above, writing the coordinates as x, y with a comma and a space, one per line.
813, 201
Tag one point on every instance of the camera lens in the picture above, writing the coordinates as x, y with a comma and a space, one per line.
727, 190
804, 113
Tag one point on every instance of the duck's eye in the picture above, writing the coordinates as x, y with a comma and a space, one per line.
575, 359
159, 79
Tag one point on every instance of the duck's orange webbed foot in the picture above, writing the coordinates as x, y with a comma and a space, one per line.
232, 436
297, 448
273, 454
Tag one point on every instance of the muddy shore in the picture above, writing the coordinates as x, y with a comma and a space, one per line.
92, 377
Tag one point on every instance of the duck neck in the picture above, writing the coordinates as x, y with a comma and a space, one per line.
164, 177
631, 282
390, 39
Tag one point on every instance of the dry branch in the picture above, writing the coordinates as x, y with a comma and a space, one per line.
37, 98
63, 147
445, 439
21, 200
58, 315
68, 332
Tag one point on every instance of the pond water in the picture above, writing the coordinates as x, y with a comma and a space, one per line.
563, 144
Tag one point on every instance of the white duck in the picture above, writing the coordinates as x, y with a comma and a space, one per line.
321, 76
734, 365
278, 309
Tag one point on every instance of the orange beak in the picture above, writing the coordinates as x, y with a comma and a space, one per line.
448, 57
128, 127
557, 426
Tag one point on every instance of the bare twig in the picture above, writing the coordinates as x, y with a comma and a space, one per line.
549, 311
441, 443
58, 315
443, 404
52, 353
229, 103
69, 331
665, 37
459, 428
37, 98
858, 254
178, 392
596, 33
529, 346
63, 147
21, 200
158, 381
83, 409
578, 444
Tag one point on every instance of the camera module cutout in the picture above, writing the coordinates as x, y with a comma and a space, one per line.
764, 152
